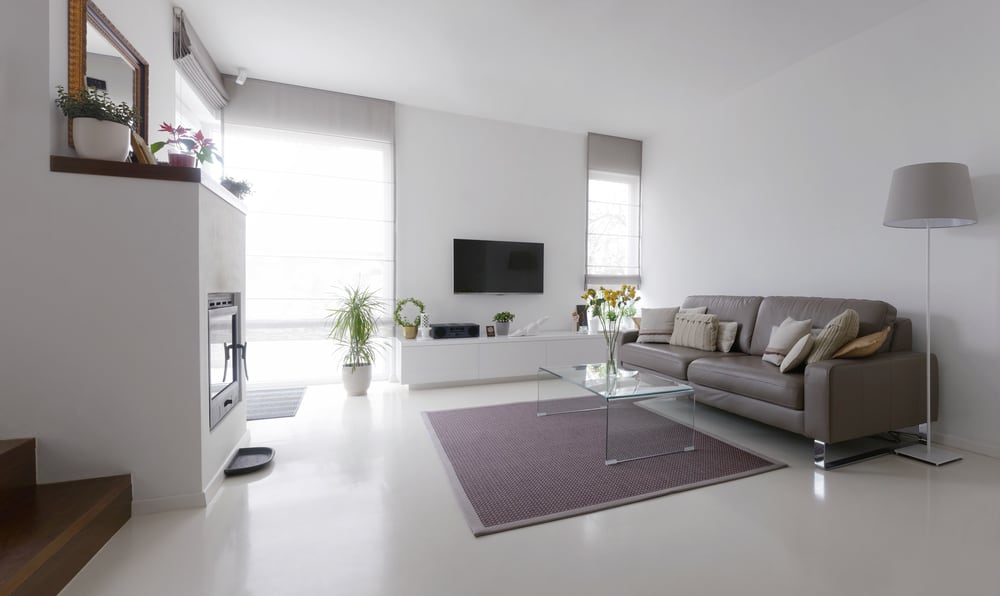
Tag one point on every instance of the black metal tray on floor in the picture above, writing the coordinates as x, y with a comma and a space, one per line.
249, 459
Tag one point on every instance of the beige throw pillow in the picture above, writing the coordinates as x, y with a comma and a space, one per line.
727, 335
863, 346
658, 323
696, 331
840, 330
797, 355
783, 337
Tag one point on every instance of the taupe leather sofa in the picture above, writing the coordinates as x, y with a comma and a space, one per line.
829, 401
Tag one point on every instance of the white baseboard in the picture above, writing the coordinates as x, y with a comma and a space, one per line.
160, 504
212, 490
190, 500
965, 444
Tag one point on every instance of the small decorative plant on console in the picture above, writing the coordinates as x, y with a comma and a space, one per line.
102, 129
183, 147
503, 319
239, 188
355, 329
409, 325
610, 307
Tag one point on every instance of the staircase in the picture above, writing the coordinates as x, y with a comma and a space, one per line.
48, 532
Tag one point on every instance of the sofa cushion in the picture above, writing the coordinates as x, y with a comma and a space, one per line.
864, 346
669, 360
750, 376
842, 329
700, 332
783, 337
742, 309
660, 323
727, 335
873, 315
797, 355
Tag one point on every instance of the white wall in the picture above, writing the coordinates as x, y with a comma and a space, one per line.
781, 190
464, 177
100, 304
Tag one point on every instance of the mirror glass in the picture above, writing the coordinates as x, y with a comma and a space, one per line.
107, 69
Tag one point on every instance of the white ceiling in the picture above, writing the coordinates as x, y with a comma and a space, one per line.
623, 67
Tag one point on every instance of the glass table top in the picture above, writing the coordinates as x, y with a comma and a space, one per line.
630, 385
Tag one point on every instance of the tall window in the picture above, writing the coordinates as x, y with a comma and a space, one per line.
192, 112
321, 217
613, 211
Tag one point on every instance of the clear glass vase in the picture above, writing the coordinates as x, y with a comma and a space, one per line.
612, 363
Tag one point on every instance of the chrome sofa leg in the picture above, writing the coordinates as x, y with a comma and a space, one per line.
823, 458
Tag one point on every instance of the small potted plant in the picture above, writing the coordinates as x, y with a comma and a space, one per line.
239, 188
408, 324
184, 148
102, 129
355, 329
503, 319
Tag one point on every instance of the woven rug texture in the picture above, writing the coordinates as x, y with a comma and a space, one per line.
274, 403
511, 468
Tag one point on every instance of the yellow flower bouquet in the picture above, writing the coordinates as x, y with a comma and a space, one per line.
610, 307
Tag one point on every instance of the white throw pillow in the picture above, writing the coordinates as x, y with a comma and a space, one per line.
698, 331
727, 335
783, 338
798, 354
658, 323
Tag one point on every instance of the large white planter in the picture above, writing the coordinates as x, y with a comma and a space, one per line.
100, 139
358, 380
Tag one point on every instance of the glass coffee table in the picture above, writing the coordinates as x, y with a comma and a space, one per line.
631, 432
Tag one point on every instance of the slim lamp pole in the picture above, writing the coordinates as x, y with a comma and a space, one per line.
927, 323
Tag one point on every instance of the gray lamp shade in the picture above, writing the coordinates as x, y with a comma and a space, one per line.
935, 195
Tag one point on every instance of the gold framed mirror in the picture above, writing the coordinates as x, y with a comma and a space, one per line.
100, 56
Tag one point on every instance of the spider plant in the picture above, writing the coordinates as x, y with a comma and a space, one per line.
355, 326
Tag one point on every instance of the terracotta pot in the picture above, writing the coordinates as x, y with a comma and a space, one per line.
182, 160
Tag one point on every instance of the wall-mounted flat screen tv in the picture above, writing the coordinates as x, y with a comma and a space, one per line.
494, 267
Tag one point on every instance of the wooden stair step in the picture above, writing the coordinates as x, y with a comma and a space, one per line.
17, 463
48, 532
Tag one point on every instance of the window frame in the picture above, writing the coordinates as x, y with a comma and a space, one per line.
635, 182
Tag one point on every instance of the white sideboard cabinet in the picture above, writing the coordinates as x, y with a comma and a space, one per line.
487, 359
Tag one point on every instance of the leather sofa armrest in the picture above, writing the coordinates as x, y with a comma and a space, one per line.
628, 337
848, 399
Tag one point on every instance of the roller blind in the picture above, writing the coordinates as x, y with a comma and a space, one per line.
289, 107
614, 167
194, 61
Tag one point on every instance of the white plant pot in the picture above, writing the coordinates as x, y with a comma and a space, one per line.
358, 380
100, 139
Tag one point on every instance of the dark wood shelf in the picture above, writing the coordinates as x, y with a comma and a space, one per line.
98, 167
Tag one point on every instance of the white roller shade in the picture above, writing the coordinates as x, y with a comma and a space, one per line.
614, 222
289, 107
196, 64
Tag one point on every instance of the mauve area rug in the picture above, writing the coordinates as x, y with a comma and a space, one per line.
512, 469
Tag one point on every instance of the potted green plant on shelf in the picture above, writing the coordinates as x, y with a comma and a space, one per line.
503, 319
102, 129
239, 188
184, 148
354, 326
408, 324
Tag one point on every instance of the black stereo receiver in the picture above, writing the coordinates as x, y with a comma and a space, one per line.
453, 330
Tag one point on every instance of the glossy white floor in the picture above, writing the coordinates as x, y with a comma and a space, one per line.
357, 503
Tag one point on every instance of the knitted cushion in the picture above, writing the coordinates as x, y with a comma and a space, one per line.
840, 330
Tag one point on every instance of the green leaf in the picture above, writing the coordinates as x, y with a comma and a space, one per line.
157, 146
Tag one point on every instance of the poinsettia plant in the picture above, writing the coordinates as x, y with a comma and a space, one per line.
197, 144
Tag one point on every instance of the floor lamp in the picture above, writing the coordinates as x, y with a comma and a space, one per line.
930, 195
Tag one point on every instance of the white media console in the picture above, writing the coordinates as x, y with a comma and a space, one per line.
484, 359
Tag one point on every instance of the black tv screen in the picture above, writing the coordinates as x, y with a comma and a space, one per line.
492, 267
